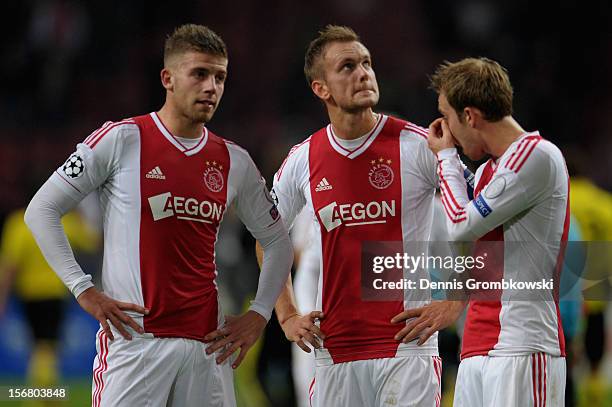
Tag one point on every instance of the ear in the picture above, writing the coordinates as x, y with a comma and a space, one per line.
319, 87
166, 79
472, 116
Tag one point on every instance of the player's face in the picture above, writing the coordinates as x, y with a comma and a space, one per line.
198, 81
465, 136
349, 76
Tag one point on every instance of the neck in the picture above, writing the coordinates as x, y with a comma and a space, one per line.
499, 135
178, 124
349, 126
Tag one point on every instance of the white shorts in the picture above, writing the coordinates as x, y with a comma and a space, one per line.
390, 382
148, 371
523, 381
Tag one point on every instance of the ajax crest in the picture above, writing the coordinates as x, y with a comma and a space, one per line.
213, 177
380, 174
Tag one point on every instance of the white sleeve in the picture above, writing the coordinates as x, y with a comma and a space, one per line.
287, 191
83, 171
428, 165
427, 162
257, 210
43, 217
507, 194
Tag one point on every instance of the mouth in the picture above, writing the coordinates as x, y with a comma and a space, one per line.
365, 91
208, 104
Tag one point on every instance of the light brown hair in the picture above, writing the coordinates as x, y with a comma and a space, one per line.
316, 49
192, 37
475, 82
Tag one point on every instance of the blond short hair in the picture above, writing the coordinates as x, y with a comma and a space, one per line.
193, 37
316, 49
475, 82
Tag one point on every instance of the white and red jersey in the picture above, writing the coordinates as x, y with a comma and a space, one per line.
162, 203
521, 199
381, 189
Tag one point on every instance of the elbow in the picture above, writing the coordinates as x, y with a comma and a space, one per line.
30, 215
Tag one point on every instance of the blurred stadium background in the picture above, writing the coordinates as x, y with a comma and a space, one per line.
68, 66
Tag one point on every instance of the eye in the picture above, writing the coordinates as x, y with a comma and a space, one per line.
349, 66
367, 63
220, 78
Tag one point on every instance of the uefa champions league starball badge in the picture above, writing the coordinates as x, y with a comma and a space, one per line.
213, 177
380, 174
74, 166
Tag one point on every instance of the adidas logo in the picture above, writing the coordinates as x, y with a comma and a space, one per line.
155, 173
323, 185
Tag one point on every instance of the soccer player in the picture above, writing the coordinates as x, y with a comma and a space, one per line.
364, 177
42, 294
165, 181
513, 352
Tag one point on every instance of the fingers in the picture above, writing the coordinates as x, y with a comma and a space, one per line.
311, 339
415, 331
303, 346
445, 129
228, 352
106, 328
240, 358
316, 315
214, 335
425, 335
220, 343
404, 315
435, 128
119, 326
126, 306
127, 320
315, 330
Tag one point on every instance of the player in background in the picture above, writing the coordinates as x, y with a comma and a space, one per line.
165, 181
23, 269
364, 177
513, 352
305, 287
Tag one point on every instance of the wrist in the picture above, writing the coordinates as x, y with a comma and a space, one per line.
287, 318
446, 152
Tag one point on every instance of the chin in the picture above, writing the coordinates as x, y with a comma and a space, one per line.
202, 117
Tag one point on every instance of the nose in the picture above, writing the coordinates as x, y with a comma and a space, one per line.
363, 72
209, 85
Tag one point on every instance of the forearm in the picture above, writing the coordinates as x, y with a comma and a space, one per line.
43, 217
455, 197
275, 257
286, 305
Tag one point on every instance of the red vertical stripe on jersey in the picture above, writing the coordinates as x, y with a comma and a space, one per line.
482, 326
544, 381
102, 357
533, 380
180, 218
355, 329
559, 268
97, 368
437, 362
